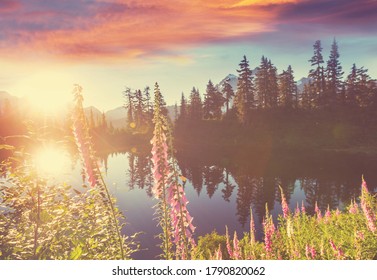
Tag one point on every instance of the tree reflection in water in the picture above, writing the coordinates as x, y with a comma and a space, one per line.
242, 184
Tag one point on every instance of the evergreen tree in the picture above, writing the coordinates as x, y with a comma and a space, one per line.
363, 85
334, 75
212, 103
183, 109
360, 88
129, 105
175, 112
244, 99
352, 94
261, 83
317, 73
272, 83
228, 93
139, 108
148, 104
267, 84
287, 88
307, 94
196, 105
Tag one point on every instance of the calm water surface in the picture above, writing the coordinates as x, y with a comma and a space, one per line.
222, 191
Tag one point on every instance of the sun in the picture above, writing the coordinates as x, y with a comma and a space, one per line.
51, 161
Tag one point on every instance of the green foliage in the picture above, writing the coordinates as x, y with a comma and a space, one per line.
43, 221
208, 244
335, 235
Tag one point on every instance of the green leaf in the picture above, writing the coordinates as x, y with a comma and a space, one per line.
76, 253
44, 216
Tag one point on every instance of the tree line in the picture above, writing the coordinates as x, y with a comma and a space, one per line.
267, 89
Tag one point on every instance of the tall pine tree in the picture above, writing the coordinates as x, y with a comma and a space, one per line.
244, 99
287, 89
273, 89
183, 109
360, 88
129, 105
267, 84
228, 93
317, 74
261, 83
140, 108
212, 103
195, 111
352, 93
334, 76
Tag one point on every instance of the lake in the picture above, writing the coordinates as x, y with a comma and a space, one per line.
221, 190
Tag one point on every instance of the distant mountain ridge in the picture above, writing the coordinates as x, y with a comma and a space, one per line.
118, 116
302, 82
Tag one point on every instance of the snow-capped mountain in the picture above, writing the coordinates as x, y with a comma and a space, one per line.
232, 80
301, 83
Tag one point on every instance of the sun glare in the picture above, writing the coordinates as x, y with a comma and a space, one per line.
51, 161
47, 92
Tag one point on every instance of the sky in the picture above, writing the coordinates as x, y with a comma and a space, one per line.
107, 45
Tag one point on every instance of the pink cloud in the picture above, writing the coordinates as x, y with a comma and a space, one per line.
124, 28
128, 28
9, 5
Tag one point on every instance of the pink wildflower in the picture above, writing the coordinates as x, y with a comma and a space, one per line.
337, 250
83, 142
219, 255
160, 163
167, 188
313, 252
297, 210
303, 210
181, 220
284, 204
307, 252
236, 247
368, 211
269, 230
228, 246
318, 212
354, 209
337, 212
252, 228
364, 187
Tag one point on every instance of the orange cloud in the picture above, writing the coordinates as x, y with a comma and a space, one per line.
109, 29
262, 2
129, 28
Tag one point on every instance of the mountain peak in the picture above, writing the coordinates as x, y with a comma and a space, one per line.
231, 79
230, 76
